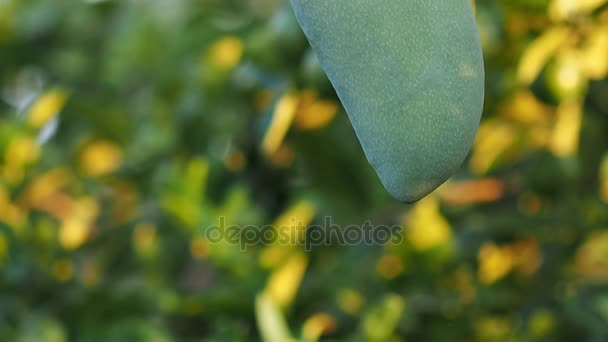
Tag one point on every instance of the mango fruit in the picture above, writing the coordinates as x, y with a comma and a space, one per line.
410, 75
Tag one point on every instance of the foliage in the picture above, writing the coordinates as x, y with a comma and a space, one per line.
129, 128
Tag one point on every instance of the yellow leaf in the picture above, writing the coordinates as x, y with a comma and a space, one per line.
76, 228
74, 232
7, 19
527, 257
564, 141
494, 138
144, 240
283, 157
525, 108
563, 9
492, 328
271, 322
235, 161
62, 269
291, 225
595, 53
350, 301
591, 260
43, 187
318, 325
100, 158
273, 255
226, 53
21, 151
539, 52
87, 208
313, 113
541, 323
380, 322
196, 174
283, 283
471, 191
11, 214
426, 227
603, 176
46, 107
3, 248
463, 282
494, 263
389, 266
199, 248
90, 273
282, 118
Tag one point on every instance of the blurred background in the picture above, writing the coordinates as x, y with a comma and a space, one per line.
129, 127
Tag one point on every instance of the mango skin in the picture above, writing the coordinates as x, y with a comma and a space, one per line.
410, 76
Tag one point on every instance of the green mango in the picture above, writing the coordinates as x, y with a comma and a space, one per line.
410, 76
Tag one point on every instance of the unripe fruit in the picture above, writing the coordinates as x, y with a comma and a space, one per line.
410, 75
